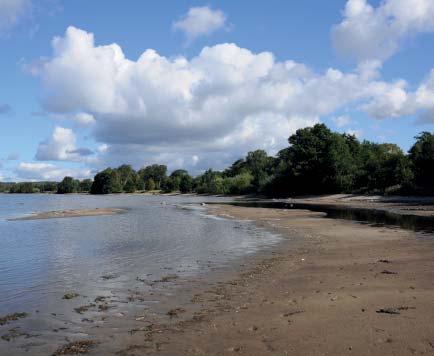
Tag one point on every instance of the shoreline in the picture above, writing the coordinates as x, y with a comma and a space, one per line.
328, 287
332, 287
402, 205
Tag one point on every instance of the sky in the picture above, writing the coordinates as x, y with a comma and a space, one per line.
197, 84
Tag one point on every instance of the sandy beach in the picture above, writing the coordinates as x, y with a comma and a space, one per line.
333, 287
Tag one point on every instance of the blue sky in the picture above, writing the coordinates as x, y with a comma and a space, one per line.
198, 84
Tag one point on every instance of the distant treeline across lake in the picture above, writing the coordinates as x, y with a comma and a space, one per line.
317, 161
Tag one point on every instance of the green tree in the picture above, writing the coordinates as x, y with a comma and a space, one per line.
106, 182
155, 171
68, 185
130, 185
179, 180
241, 183
381, 167
259, 164
211, 182
318, 161
128, 178
150, 184
422, 160
85, 186
186, 184
22, 188
238, 167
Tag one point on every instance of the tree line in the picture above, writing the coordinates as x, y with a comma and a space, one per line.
317, 161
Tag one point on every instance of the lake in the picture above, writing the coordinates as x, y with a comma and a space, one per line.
112, 256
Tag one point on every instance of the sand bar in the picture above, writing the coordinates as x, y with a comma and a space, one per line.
69, 213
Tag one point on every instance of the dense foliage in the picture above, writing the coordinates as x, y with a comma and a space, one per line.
28, 187
317, 161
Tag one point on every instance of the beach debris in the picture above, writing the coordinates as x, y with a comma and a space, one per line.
142, 280
393, 310
137, 296
70, 295
388, 311
83, 308
108, 276
168, 278
86, 320
388, 272
76, 347
100, 298
383, 261
174, 312
12, 317
12, 334
103, 307
293, 313
235, 349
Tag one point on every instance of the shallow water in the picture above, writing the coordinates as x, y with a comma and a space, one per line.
41, 260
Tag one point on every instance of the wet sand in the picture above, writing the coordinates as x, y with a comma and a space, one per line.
419, 206
332, 288
69, 214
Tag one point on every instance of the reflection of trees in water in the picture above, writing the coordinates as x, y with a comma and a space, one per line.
371, 216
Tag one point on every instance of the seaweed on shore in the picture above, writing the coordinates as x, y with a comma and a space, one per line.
84, 308
168, 278
174, 312
76, 347
393, 310
12, 317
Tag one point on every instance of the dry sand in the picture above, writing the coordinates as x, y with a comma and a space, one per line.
332, 288
69, 214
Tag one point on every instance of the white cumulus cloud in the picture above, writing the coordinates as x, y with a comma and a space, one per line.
48, 171
200, 21
60, 146
215, 106
84, 119
367, 32
396, 101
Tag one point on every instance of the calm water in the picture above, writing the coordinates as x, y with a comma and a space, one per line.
120, 256
41, 260
424, 225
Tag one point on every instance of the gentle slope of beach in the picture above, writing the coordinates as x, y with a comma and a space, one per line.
334, 288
